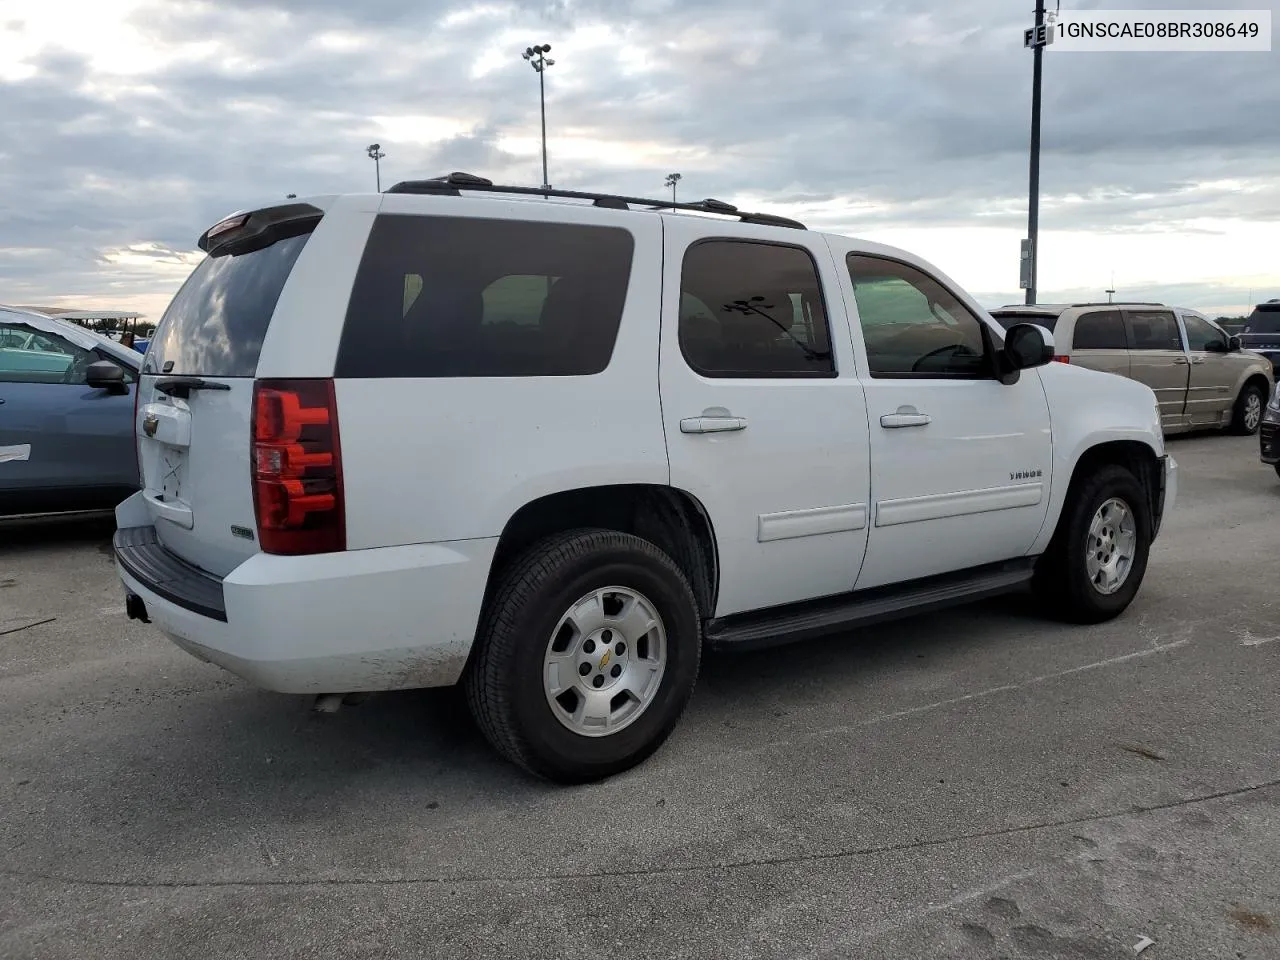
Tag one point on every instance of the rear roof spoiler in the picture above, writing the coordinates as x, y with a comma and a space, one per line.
244, 232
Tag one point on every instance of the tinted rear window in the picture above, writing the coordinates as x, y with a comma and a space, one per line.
215, 325
466, 297
1007, 320
1263, 320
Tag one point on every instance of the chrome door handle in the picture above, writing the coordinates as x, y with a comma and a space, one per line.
1197, 359
1180, 361
905, 417
712, 424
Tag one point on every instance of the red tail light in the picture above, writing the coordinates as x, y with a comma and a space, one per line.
297, 467
1063, 359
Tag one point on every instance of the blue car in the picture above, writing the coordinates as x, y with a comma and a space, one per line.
66, 416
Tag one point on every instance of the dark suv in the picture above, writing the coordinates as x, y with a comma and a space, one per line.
1261, 332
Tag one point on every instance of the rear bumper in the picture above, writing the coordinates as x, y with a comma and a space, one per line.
364, 620
1269, 441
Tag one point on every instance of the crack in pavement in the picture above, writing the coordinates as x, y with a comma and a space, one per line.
780, 860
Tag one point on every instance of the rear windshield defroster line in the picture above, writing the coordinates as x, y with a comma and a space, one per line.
216, 324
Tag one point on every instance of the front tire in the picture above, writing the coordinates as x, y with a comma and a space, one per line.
1247, 414
586, 656
1098, 556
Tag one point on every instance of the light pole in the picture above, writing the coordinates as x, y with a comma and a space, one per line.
671, 181
1037, 38
375, 154
537, 57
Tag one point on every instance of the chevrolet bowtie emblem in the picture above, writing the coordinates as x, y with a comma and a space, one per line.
604, 661
150, 424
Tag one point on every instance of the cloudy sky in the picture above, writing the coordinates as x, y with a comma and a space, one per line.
128, 126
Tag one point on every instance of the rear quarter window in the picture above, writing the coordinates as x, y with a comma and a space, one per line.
216, 323
468, 297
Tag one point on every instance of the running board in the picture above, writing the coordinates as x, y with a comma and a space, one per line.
815, 618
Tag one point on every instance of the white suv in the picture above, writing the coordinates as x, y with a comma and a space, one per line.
548, 447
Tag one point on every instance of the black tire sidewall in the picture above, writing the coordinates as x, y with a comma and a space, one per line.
1107, 483
1237, 421
560, 752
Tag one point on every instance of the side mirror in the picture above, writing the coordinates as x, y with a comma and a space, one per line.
1025, 345
105, 375
1233, 345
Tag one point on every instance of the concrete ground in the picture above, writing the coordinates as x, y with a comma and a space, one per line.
976, 784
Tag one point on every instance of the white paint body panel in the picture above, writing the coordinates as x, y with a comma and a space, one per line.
804, 449
811, 499
387, 619
1088, 408
947, 495
433, 459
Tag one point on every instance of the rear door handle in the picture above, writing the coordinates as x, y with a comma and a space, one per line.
905, 417
1197, 359
712, 424
1180, 361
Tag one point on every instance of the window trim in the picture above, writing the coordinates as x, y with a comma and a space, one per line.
1185, 325
1124, 329
831, 374
1126, 313
988, 342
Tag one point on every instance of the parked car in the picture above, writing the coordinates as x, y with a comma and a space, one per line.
1269, 434
1200, 374
548, 448
1261, 332
66, 416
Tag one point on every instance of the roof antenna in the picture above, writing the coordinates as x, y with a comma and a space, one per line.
1111, 289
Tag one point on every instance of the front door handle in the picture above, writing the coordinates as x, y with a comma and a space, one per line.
1196, 360
712, 424
905, 417
1180, 361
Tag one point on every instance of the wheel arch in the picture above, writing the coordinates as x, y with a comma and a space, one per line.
1139, 456
671, 518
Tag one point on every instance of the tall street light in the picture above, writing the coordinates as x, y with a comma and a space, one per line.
375, 154
1037, 38
537, 57
671, 181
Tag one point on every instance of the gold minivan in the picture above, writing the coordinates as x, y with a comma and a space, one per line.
1200, 375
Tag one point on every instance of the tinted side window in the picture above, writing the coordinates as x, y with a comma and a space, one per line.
912, 325
216, 324
753, 310
465, 297
28, 356
1152, 330
1201, 333
1100, 330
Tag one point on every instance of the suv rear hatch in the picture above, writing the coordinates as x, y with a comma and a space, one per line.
196, 394
1262, 330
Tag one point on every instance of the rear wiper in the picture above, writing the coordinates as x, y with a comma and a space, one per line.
182, 386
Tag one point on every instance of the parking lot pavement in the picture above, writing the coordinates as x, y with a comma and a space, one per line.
973, 784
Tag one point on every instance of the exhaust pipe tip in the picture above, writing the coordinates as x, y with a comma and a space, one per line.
135, 608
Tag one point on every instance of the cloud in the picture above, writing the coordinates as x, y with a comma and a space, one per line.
141, 126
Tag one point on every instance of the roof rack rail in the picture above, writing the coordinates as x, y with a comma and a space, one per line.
1120, 303
452, 183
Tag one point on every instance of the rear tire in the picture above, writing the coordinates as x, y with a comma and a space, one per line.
1098, 556
1247, 414
585, 631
